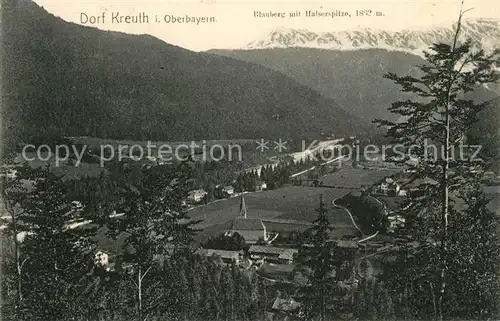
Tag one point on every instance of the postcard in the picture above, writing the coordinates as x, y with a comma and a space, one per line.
250, 160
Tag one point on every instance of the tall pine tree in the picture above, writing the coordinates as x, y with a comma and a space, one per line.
156, 224
434, 125
59, 258
317, 262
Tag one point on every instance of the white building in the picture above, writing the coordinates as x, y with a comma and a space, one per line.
101, 258
384, 187
396, 221
229, 190
10, 174
260, 186
196, 195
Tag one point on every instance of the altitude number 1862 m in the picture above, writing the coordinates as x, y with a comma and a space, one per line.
368, 13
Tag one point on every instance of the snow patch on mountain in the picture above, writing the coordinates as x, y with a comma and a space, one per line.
482, 31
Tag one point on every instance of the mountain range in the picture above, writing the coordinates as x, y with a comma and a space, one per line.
482, 31
74, 80
354, 79
348, 66
81, 81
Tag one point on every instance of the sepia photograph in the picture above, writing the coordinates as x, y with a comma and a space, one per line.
259, 160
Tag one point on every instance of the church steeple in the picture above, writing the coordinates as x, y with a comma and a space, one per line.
243, 207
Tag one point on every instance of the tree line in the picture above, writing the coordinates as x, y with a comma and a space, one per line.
49, 262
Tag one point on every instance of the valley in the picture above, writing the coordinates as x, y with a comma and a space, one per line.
144, 178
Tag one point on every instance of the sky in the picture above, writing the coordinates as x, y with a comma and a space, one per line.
235, 24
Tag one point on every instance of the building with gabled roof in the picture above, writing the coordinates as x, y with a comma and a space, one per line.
196, 195
252, 229
276, 272
288, 307
228, 190
347, 244
225, 255
248, 224
273, 254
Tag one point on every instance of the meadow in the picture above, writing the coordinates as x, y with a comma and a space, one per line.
287, 208
356, 178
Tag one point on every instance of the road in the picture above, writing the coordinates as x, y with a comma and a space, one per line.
381, 203
352, 218
348, 212
314, 167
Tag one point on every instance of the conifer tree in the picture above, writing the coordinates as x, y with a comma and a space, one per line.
433, 126
59, 257
474, 254
156, 223
317, 262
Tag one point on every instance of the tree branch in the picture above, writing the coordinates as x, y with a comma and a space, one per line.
145, 273
22, 263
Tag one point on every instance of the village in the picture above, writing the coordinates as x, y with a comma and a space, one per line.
262, 231
235, 233
159, 164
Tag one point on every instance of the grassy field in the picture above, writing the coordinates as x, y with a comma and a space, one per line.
290, 203
281, 207
356, 178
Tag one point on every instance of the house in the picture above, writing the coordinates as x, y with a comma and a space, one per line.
196, 195
351, 245
272, 254
228, 190
230, 257
288, 307
77, 206
101, 258
414, 185
21, 236
260, 186
161, 161
377, 241
390, 187
348, 250
287, 256
10, 174
384, 187
395, 221
276, 272
252, 229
